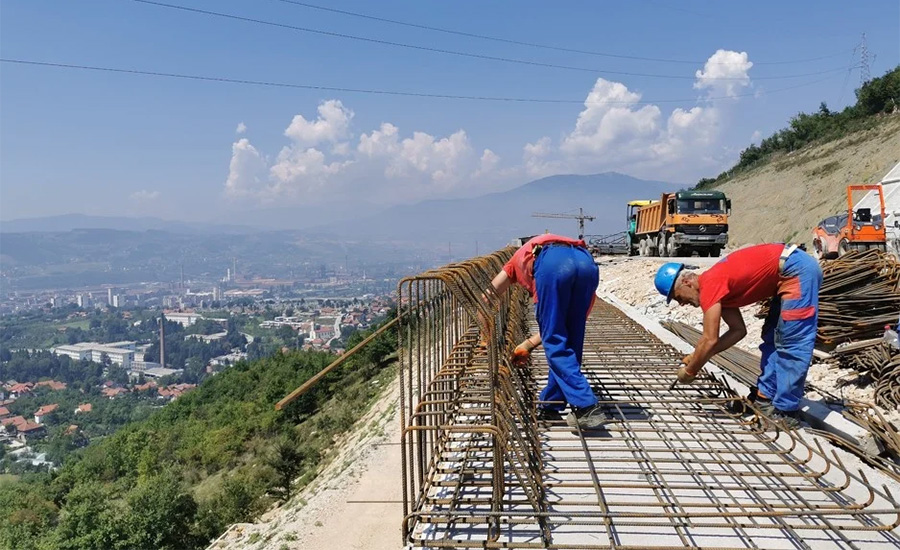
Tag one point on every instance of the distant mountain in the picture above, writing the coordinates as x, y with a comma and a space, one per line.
493, 220
69, 222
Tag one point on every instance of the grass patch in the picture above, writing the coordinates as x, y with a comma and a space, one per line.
824, 170
8, 478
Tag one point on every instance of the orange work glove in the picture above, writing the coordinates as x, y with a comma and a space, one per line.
521, 355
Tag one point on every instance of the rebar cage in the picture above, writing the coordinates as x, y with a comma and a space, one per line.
674, 469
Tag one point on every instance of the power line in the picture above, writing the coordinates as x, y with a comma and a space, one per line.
458, 53
272, 84
534, 44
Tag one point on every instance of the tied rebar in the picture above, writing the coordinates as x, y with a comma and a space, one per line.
860, 294
673, 469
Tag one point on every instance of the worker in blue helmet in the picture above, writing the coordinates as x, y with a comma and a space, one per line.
784, 273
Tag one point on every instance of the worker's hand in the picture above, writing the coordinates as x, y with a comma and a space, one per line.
684, 377
521, 354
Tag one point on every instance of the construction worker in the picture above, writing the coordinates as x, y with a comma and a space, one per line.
784, 273
562, 278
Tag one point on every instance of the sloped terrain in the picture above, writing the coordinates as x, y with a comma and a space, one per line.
784, 199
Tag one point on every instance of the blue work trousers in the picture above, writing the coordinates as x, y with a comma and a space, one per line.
566, 279
789, 332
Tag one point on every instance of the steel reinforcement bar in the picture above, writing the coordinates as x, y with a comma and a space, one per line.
674, 469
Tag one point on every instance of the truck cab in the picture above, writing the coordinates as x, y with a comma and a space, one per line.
696, 221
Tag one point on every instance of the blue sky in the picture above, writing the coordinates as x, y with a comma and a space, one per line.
115, 144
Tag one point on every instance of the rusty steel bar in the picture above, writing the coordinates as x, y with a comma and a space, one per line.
674, 469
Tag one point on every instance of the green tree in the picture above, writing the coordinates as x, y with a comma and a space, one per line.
287, 459
161, 515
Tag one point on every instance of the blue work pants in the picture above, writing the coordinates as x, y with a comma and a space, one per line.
789, 332
566, 279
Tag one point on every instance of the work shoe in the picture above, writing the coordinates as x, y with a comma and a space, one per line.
789, 419
587, 418
548, 415
765, 405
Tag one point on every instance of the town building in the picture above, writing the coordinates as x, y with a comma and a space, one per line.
41, 414
119, 353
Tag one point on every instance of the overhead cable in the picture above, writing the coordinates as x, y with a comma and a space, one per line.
403, 93
466, 54
538, 45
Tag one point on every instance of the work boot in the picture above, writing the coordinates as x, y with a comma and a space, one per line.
587, 418
548, 415
789, 419
765, 405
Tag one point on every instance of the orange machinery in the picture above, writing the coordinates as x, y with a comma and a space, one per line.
857, 229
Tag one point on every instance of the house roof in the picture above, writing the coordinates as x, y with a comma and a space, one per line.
30, 427
52, 384
85, 407
46, 409
4, 411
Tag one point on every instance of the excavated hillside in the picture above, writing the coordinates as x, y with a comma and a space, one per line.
784, 199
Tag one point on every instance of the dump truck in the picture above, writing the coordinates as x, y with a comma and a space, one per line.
679, 224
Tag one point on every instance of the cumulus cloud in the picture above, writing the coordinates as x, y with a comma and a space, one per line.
331, 125
725, 73
241, 128
616, 129
144, 196
323, 154
247, 170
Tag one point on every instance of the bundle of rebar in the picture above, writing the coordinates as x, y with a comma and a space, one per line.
860, 294
876, 362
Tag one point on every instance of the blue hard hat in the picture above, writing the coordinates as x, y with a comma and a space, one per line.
665, 279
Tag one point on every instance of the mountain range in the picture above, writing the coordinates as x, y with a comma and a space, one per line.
490, 220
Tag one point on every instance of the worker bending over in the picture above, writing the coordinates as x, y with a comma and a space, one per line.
562, 278
786, 274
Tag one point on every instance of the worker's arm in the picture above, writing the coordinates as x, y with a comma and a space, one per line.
501, 282
499, 285
710, 342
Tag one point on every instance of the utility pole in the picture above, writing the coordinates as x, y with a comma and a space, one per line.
581, 217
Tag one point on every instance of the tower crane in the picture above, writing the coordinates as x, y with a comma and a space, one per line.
580, 216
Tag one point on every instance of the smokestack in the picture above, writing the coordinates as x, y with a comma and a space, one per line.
162, 341
182, 276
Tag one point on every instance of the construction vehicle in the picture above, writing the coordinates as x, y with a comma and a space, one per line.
858, 229
679, 224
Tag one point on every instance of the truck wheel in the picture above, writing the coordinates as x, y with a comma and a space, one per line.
671, 247
662, 245
715, 251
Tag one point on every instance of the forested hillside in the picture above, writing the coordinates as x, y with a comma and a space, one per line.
218, 455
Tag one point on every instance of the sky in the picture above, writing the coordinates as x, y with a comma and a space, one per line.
658, 89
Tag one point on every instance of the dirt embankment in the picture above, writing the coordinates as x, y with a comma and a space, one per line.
785, 199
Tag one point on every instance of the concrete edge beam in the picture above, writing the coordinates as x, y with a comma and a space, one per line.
815, 414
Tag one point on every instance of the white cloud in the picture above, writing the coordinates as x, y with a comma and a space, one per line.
380, 163
615, 130
143, 196
331, 125
247, 171
724, 73
756, 136
241, 128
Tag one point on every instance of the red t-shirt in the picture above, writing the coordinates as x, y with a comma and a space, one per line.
742, 278
520, 268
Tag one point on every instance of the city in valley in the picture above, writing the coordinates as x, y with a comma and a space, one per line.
80, 362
